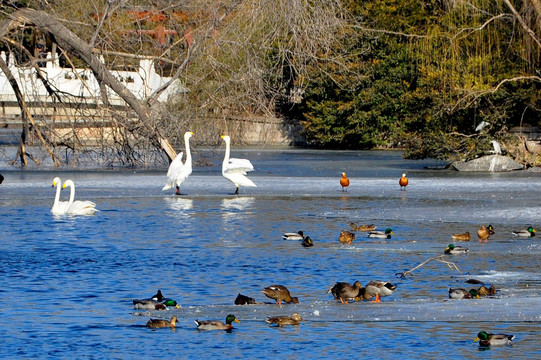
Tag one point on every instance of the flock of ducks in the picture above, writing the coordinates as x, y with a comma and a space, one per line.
235, 170
344, 292
279, 293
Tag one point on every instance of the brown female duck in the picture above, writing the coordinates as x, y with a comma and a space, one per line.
462, 237
369, 227
294, 319
343, 291
279, 293
160, 323
346, 237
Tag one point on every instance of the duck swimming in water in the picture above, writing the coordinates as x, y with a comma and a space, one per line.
529, 232
381, 234
216, 324
486, 339
294, 319
159, 323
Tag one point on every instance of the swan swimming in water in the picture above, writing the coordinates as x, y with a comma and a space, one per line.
235, 170
59, 207
78, 207
179, 171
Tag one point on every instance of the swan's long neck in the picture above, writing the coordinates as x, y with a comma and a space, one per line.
72, 192
226, 157
57, 196
188, 153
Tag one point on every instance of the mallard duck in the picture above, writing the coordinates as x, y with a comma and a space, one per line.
307, 241
354, 227
156, 302
343, 291
460, 293
293, 236
484, 291
150, 303
486, 339
244, 300
491, 229
160, 323
452, 249
294, 319
403, 182
279, 293
381, 234
462, 237
530, 232
344, 182
377, 289
216, 324
346, 237
483, 233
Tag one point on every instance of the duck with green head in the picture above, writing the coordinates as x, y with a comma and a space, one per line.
459, 293
486, 339
156, 302
529, 232
452, 249
216, 324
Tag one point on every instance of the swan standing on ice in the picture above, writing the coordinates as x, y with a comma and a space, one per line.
179, 171
59, 207
78, 207
235, 170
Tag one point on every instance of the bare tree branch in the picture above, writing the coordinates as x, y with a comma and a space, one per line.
438, 258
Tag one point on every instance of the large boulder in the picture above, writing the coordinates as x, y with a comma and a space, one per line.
491, 163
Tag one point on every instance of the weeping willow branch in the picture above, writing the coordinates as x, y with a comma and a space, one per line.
438, 258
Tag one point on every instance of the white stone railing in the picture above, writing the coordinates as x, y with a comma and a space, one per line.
81, 83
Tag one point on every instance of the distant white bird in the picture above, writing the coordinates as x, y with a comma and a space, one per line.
481, 125
497, 147
179, 171
77, 207
59, 207
235, 170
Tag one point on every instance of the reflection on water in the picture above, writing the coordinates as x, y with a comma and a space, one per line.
73, 278
236, 204
178, 204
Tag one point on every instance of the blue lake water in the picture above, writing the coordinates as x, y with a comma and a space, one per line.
68, 282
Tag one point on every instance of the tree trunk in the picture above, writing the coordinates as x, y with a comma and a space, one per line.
70, 41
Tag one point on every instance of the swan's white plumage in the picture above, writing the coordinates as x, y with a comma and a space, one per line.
179, 171
235, 170
78, 207
59, 207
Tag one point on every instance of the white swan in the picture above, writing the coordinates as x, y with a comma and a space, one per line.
59, 207
78, 207
235, 170
178, 171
